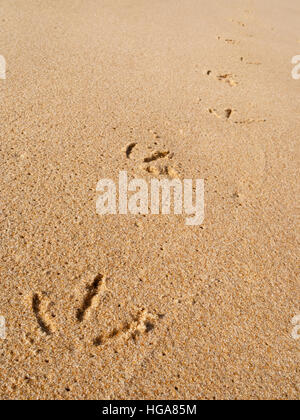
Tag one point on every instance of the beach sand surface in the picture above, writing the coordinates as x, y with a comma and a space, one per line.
146, 307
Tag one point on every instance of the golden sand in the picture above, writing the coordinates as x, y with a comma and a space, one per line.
136, 307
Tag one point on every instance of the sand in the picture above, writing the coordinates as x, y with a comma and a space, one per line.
146, 307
